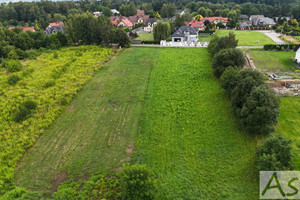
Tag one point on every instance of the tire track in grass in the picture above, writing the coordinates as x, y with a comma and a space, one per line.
188, 135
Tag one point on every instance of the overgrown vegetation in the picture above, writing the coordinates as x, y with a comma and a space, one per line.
28, 108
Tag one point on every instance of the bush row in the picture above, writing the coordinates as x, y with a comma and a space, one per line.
281, 47
255, 104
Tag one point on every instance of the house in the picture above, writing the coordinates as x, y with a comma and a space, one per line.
216, 20
140, 13
149, 25
185, 34
24, 28
121, 22
196, 24
138, 19
297, 58
265, 21
255, 16
114, 12
245, 25
54, 27
97, 13
244, 17
180, 12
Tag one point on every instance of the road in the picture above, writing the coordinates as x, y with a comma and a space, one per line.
274, 36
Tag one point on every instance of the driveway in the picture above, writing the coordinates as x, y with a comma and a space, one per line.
274, 36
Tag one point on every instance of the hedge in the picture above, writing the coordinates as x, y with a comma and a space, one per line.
280, 47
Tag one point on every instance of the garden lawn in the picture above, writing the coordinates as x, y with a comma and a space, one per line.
145, 37
204, 38
248, 38
289, 126
51, 80
96, 133
297, 37
275, 61
188, 134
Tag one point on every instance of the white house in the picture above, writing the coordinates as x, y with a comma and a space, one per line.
297, 58
114, 12
149, 25
185, 34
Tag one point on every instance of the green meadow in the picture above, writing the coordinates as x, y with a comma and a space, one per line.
248, 38
157, 106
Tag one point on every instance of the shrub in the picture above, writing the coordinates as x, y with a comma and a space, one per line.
226, 58
55, 55
13, 65
229, 79
217, 44
247, 79
137, 183
275, 154
13, 79
24, 110
260, 111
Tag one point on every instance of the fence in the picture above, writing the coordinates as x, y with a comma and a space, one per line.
184, 44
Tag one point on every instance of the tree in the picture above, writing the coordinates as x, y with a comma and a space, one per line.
226, 58
260, 111
137, 183
247, 79
217, 44
275, 153
179, 21
128, 9
121, 38
157, 16
229, 80
168, 10
198, 17
161, 31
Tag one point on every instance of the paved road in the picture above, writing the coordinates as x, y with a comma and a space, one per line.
274, 36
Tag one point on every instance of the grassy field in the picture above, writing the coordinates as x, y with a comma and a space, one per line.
163, 104
97, 131
290, 39
145, 37
51, 80
189, 136
248, 38
204, 38
289, 125
297, 37
275, 61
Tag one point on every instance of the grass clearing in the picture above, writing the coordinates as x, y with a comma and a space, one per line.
145, 37
204, 38
248, 38
189, 136
288, 125
96, 133
275, 61
167, 99
290, 39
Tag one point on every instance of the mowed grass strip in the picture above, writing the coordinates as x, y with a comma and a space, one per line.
96, 133
288, 125
248, 38
276, 61
145, 37
188, 134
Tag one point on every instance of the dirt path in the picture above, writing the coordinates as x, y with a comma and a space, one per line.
249, 61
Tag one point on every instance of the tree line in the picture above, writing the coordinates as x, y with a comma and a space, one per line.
255, 105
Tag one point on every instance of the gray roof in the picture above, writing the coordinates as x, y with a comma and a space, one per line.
54, 29
265, 21
244, 16
180, 32
151, 21
245, 24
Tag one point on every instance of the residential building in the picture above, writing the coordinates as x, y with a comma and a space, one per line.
185, 34
196, 24
121, 22
138, 19
255, 16
97, 13
297, 58
140, 13
149, 25
244, 17
245, 25
114, 12
216, 20
180, 12
54, 27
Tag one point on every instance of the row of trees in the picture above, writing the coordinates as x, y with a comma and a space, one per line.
255, 104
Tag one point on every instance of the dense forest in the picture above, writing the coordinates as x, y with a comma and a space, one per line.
41, 13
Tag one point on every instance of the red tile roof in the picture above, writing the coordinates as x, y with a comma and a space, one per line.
11, 28
26, 28
140, 12
56, 24
212, 19
115, 23
127, 23
195, 23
